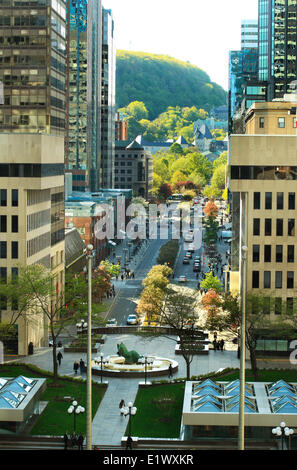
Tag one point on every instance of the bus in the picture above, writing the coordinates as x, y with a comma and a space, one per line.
176, 197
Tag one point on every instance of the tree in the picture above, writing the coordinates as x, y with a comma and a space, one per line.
211, 301
165, 191
211, 282
35, 294
176, 149
211, 209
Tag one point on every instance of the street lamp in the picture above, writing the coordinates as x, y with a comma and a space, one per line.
75, 409
131, 411
89, 352
100, 361
82, 325
244, 250
282, 431
146, 360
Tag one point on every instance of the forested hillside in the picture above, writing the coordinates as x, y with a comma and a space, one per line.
161, 81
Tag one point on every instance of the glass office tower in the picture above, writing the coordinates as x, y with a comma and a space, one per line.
32, 66
85, 64
108, 100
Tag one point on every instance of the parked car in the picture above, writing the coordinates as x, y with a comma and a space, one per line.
132, 320
111, 322
182, 279
186, 261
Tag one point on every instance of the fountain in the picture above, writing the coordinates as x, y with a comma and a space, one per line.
130, 364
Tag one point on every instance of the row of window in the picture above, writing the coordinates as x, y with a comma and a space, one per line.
276, 305
38, 244
123, 163
279, 227
247, 172
14, 250
278, 253
14, 197
14, 223
31, 170
268, 201
37, 220
278, 280
281, 122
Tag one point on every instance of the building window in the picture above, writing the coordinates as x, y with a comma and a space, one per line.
291, 227
3, 198
290, 280
267, 253
267, 279
3, 250
257, 201
278, 306
291, 201
290, 304
268, 201
261, 122
14, 197
14, 250
256, 228
266, 305
14, 223
291, 253
268, 227
279, 227
280, 201
281, 122
256, 253
278, 254
3, 223
255, 279
278, 279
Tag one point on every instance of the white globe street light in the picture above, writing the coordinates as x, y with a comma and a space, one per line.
75, 409
282, 431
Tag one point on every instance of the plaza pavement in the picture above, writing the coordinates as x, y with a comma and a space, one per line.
108, 425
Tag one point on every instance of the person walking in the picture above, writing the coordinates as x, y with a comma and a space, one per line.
66, 440
122, 405
215, 344
73, 439
80, 441
81, 366
222, 342
129, 443
75, 367
170, 371
59, 357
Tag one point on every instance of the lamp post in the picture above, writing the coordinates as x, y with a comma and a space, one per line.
145, 360
75, 409
100, 361
282, 431
89, 352
244, 250
82, 325
131, 411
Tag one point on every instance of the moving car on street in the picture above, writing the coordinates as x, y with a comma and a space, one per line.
112, 322
132, 320
182, 279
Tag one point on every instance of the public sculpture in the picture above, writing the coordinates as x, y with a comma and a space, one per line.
131, 357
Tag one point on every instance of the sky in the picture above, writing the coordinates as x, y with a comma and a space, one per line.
199, 31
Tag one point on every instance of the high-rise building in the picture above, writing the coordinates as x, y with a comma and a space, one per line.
90, 149
32, 66
277, 46
262, 178
108, 101
249, 34
32, 125
85, 58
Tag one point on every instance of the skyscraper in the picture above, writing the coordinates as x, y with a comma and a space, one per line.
90, 150
249, 34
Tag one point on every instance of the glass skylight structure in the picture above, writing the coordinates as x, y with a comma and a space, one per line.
13, 392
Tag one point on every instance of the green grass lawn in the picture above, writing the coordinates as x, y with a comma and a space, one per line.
268, 375
155, 419
55, 420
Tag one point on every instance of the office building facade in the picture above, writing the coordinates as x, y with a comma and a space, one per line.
249, 34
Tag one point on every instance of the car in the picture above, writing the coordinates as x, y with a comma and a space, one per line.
186, 261
111, 322
196, 269
188, 255
132, 320
182, 279
191, 248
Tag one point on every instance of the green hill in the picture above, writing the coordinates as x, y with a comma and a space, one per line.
161, 81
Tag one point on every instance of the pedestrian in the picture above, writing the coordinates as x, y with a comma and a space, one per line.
122, 405
59, 357
170, 371
80, 441
201, 291
215, 334
122, 277
215, 344
73, 439
222, 342
129, 443
198, 285
81, 366
75, 367
66, 439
